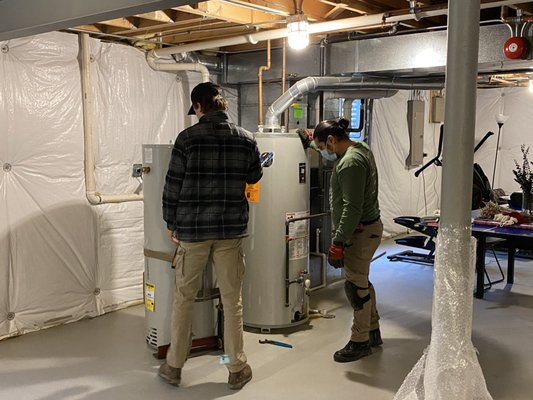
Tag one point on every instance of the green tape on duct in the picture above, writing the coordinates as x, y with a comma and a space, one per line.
297, 111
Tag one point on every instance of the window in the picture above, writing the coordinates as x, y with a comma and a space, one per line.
356, 119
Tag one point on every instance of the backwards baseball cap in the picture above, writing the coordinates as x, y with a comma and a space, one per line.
205, 90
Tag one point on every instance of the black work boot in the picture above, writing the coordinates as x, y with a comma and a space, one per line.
375, 338
352, 351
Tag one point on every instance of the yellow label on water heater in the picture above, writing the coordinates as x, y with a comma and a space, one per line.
149, 296
252, 192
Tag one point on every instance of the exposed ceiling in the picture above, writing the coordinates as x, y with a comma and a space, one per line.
200, 21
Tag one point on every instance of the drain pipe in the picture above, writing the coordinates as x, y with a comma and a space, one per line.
160, 65
92, 195
313, 83
374, 20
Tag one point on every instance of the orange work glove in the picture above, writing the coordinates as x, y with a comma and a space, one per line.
336, 255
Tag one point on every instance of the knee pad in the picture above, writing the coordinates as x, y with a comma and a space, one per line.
357, 302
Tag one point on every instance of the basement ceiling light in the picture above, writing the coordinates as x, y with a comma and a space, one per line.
297, 31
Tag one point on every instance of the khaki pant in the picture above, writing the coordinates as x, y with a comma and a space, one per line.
228, 261
357, 257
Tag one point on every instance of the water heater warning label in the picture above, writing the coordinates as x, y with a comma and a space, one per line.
299, 235
149, 296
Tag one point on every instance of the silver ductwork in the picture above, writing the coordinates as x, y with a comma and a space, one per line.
314, 83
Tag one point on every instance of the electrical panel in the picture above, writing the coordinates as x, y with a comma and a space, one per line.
415, 125
437, 110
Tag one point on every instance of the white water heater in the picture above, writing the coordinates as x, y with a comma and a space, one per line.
276, 280
159, 276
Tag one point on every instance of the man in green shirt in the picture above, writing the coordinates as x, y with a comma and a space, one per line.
358, 228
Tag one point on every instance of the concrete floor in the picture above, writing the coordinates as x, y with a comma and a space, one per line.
107, 358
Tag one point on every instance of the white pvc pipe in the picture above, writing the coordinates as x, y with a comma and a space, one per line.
167, 66
92, 195
320, 27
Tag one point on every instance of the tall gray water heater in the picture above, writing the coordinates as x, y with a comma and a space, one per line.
159, 277
276, 280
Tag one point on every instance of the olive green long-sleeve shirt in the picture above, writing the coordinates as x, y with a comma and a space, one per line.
353, 191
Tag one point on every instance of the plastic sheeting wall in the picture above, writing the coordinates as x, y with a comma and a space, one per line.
60, 258
401, 193
515, 103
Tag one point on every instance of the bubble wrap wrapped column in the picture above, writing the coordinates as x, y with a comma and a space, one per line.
449, 368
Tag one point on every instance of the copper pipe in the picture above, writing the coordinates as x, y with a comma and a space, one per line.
283, 73
260, 86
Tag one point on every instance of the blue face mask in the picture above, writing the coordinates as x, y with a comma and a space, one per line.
328, 156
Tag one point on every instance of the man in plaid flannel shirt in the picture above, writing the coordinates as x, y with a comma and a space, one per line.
206, 211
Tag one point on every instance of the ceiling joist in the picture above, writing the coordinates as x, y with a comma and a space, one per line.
212, 19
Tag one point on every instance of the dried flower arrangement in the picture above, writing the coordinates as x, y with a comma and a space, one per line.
522, 173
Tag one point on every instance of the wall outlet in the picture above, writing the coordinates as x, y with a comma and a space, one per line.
137, 171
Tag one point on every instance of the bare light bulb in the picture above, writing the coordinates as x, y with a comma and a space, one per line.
297, 31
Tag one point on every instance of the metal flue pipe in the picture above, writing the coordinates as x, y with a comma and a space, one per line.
314, 83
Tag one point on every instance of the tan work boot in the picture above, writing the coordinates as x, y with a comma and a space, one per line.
170, 374
237, 380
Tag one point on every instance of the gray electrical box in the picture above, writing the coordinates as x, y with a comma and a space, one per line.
415, 125
437, 109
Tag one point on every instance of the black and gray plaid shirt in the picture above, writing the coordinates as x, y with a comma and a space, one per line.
204, 195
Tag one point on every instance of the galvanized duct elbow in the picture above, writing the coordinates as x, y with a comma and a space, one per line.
303, 86
314, 83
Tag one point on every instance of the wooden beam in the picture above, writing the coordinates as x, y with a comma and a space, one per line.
91, 28
359, 7
526, 7
182, 20
118, 23
233, 13
388, 4
341, 8
158, 16
187, 37
313, 9
20, 18
204, 30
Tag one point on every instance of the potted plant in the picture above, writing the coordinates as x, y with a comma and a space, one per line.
523, 175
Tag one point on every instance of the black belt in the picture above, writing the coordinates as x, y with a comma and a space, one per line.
370, 222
